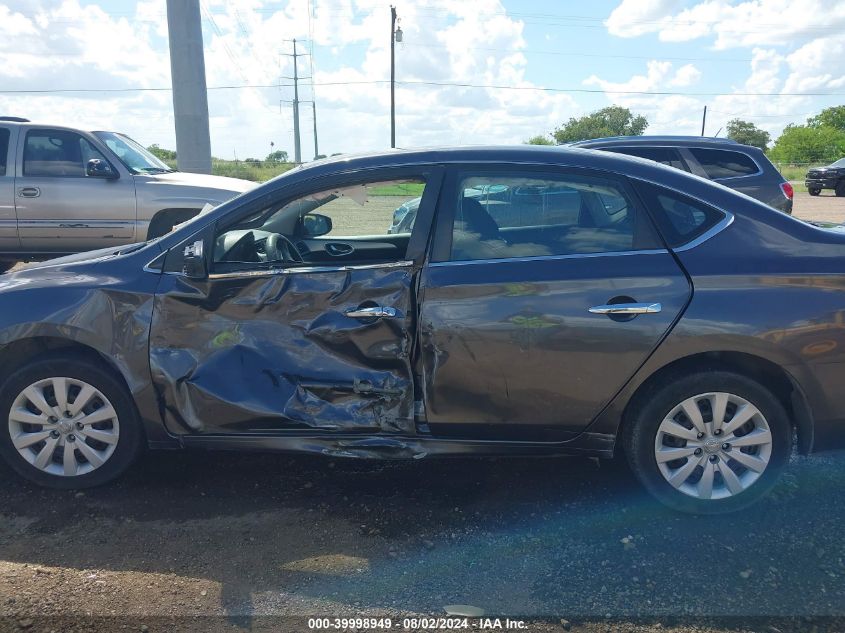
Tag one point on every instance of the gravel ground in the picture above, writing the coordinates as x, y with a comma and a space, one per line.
219, 541
228, 542
825, 207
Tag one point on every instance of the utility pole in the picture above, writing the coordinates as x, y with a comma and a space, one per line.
297, 152
703, 120
392, 76
314, 113
190, 95
297, 143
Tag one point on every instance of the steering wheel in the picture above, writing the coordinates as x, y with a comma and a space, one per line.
278, 248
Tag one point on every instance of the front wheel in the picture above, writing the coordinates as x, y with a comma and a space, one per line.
840, 188
814, 191
67, 423
709, 443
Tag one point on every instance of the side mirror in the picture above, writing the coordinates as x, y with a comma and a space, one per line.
315, 225
194, 261
98, 168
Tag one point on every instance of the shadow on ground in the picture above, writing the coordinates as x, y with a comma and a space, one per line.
270, 534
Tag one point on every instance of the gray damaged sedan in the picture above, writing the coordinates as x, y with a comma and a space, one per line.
543, 301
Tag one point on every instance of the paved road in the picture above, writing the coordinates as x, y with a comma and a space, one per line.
244, 536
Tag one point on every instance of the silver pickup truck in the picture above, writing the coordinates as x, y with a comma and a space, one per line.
63, 191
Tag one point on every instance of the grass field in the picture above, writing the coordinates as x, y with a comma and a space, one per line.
795, 174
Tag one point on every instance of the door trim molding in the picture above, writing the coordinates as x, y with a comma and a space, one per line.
293, 270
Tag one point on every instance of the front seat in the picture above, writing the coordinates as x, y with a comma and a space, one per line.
476, 234
476, 220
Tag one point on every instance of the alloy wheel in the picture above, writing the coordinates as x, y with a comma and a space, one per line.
64, 426
713, 445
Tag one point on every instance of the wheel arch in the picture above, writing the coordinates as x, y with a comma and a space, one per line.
14, 354
775, 378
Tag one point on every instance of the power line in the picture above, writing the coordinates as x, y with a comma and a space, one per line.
443, 84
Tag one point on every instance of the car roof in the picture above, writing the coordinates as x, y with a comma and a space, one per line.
502, 154
664, 140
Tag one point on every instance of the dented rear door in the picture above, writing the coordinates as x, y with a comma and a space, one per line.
279, 351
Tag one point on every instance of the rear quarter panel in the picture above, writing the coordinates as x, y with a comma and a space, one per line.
773, 287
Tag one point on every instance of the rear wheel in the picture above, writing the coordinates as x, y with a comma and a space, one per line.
709, 443
814, 191
68, 423
840, 188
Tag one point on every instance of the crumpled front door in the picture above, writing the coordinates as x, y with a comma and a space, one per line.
279, 352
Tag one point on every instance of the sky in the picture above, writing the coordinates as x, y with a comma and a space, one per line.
468, 71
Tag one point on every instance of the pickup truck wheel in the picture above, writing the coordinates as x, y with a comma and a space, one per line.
814, 191
840, 188
709, 443
67, 423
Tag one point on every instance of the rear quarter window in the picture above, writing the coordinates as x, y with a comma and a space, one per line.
679, 219
4, 150
720, 163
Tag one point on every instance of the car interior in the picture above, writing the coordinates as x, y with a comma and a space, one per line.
532, 217
341, 226
57, 153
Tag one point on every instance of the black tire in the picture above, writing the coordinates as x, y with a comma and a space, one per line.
640, 435
5, 265
840, 188
814, 191
130, 438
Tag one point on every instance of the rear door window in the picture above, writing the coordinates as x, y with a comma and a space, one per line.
664, 155
720, 163
517, 213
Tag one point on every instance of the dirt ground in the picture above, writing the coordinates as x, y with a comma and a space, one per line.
235, 542
825, 207
226, 542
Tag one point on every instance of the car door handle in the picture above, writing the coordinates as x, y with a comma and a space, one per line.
627, 308
29, 192
372, 312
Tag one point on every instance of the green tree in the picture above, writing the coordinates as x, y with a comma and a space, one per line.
747, 133
829, 117
279, 156
611, 121
161, 153
806, 144
540, 139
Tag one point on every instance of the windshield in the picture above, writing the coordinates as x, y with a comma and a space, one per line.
839, 163
136, 158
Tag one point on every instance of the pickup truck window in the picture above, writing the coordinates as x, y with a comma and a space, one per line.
4, 150
132, 154
57, 153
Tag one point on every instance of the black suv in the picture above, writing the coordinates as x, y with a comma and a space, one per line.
740, 167
830, 177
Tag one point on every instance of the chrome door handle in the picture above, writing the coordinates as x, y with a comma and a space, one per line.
29, 192
374, 312
627, 308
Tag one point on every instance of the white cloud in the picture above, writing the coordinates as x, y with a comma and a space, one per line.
59, 43
733, 24
633, 18
686, 76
